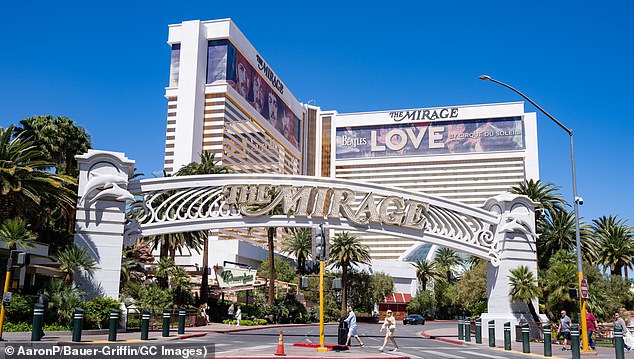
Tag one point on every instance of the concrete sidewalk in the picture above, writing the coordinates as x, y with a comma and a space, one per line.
450, 335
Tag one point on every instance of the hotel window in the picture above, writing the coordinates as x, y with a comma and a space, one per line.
175, 64
217, 57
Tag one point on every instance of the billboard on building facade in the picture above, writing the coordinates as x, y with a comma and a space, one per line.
224, 62
431, 138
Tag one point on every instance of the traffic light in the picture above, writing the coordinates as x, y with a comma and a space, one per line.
321, 250
303, 283
18, 259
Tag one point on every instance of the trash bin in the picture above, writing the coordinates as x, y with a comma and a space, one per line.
518, 333
342, 332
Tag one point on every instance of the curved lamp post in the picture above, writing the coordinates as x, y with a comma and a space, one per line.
577, 201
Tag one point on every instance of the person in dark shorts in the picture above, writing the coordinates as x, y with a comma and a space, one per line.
564, 328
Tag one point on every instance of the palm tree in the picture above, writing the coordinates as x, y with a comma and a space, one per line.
164, 269
557, 232
615, 242
270, 240
168, 244
425, 271
180, 283
543, 193
446, 259
207, 165
25, 185
13, 231
524, 288
74, 259
131, 269
347, 250
59, 138
560, 275
64, 298
299, 244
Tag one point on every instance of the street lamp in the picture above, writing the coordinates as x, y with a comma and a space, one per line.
577, 201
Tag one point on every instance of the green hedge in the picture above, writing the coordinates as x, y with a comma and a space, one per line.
26, 327
246, 322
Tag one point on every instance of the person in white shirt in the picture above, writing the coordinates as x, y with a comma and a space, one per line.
352, 327
389, 324
238, 316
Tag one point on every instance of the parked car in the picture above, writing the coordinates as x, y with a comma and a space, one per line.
414, 319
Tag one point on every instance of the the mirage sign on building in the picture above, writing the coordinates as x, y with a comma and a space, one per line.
423, 136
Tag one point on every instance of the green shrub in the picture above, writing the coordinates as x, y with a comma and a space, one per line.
57, 327
97, 312
26, 327
245, 322
17, 327
20, 309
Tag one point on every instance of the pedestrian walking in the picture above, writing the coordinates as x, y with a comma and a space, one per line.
352, 327
564, 328
230, 311
203, 313
389, 324
43, 300
238, 315
627, 336
591, 325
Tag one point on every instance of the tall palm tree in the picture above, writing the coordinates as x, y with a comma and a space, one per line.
299, 244
347, 250
524, 288
615, 242
25, 185
447, 259
425, 271
60, 139
557, 232
207, 165
270, 239
546, 194
74, 259
13, 231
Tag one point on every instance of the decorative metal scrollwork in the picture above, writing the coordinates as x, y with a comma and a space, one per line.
172, 201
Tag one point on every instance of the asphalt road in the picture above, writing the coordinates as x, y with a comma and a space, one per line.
408, 337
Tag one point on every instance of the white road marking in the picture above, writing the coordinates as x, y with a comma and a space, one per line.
441, 354
408, 354
483, 355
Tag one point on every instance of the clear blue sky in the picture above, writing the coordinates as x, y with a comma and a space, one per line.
106, 64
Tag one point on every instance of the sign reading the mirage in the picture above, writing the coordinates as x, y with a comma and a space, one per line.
257, 200
234, 277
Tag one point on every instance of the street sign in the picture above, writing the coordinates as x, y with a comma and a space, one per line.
584, 288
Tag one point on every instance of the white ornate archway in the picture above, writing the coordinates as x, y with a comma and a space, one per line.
112, 208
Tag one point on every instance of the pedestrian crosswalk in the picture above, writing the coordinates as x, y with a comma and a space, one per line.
450, 354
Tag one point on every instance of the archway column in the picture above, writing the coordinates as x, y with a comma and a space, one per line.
100, 217
517, 234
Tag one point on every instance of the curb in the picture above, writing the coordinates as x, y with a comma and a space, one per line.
441, 339
192, 335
